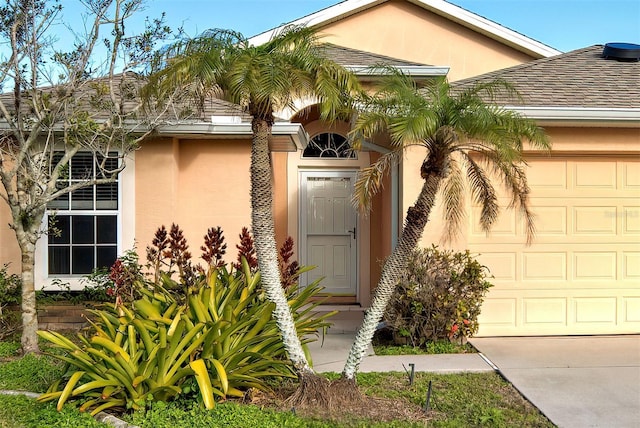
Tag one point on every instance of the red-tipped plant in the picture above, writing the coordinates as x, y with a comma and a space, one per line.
246, 250
288, 268
214, 247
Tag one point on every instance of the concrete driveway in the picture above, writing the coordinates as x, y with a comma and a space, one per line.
576, 381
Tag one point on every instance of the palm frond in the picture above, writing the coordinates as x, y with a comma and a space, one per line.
483, 192
514, 179
452, 192
370, 179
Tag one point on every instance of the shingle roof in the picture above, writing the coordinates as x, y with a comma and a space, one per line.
186, 109
580, 78
354, 57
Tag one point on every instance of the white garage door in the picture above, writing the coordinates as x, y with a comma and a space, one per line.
581, 275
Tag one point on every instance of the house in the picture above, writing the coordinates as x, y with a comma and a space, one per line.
580, 276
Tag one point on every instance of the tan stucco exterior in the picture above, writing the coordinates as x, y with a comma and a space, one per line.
9, 250
195, 183
580, 275
403, 30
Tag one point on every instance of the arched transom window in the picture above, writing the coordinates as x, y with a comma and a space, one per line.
329, 145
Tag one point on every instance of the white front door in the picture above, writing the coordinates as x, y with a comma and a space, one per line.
329, 230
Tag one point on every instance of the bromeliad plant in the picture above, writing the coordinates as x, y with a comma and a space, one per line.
205, 332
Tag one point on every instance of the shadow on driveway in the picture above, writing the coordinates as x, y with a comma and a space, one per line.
576, 381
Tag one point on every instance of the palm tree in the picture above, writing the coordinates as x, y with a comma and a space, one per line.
263, 80
460, 130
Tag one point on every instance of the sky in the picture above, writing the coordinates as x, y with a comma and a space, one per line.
562, 24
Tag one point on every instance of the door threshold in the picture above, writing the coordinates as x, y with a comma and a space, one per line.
328, 307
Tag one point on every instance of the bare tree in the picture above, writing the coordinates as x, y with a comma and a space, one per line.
59, 104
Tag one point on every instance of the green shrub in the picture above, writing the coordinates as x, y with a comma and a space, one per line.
10, 287
439, 297
192, 331
10, 295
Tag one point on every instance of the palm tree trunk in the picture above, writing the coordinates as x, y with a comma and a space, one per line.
417, 218
265, 243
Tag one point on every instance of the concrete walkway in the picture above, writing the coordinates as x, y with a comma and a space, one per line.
331, 355
576, 381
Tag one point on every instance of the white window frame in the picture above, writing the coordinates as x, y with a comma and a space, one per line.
125, 220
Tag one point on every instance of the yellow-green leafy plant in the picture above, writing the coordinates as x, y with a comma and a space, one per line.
194, 331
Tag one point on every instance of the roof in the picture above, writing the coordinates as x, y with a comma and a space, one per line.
363, 63
580, 78
354, 57
213, 118
443, 8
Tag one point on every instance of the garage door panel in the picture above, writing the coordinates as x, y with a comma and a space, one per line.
503, 265
505, 225
631, 266
630, 176
595, 310
599, 219
581, 275
631, 309
499, 312
630, 220
595, 175
545, 175
547, 266
594, 265
551, 220
546, 311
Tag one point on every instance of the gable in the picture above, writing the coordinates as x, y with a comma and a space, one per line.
423, 31
402, 30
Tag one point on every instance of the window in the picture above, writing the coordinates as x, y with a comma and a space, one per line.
83, 224
329, 145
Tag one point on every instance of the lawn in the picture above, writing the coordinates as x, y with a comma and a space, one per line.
465, 399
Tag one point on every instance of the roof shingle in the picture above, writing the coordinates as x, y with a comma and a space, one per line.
354, 57
580, 78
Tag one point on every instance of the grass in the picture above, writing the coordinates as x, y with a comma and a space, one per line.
439, 347
8, 349
18, 411
467, 399
462, 399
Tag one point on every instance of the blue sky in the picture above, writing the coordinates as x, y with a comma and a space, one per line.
562, 24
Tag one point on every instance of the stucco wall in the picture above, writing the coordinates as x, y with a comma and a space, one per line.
9, 250
196, 183
401, 30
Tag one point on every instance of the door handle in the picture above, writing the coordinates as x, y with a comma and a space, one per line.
353, 232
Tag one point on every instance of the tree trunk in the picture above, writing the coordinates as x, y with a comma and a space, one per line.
265, 242
417, 218
29, 338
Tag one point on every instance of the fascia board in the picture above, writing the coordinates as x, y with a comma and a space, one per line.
413, 71
626, 116
295, 131
321, 17
488, 28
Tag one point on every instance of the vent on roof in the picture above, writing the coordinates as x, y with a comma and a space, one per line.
622, 51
